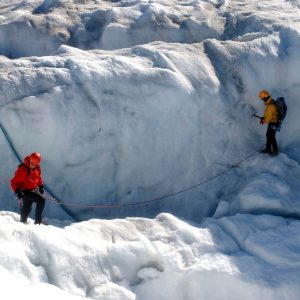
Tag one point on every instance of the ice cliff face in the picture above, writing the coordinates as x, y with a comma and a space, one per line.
130, 125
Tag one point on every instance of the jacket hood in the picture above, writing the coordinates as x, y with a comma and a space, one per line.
26, 160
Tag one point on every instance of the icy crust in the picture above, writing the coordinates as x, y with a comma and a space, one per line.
249, 19
246, 256
39, 28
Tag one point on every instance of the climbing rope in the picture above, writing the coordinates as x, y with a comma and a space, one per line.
70, 204
50, 196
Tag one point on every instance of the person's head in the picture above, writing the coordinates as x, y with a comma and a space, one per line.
264, 95
34, 160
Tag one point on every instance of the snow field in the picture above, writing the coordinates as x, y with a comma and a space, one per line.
133, 258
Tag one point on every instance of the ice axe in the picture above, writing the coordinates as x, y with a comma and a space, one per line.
254, 112
255, 115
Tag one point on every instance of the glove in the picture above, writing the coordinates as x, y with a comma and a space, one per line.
41, 189
19, 193
262, 121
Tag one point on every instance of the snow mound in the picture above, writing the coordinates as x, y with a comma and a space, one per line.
248, 256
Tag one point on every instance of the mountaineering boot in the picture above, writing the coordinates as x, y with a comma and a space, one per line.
264, 151
38, 222
274, 153
23, 220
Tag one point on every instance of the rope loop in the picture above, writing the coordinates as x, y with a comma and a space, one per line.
70, 204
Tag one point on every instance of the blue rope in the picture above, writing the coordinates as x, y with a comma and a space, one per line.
159, 198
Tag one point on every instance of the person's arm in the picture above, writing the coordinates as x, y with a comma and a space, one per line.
21, 176
40, 178
40, 183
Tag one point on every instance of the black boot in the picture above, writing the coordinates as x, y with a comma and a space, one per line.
264, 151
23, 220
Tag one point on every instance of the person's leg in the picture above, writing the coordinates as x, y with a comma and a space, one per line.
272, 139
40, 204
269, 139
274, 143
26, 207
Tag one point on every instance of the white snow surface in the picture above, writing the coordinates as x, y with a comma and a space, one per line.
240, 257
142, 113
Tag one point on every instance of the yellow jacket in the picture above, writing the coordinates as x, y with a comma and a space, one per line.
271, 112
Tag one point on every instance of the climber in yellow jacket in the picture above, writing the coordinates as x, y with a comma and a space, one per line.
271, 119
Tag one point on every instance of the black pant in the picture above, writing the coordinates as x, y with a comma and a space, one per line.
271, 138
28, 198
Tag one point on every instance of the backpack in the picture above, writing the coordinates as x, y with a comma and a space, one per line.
281, 108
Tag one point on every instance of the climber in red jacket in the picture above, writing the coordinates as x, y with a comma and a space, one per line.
28, 186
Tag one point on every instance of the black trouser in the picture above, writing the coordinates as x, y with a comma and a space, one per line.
271, 137
28, 198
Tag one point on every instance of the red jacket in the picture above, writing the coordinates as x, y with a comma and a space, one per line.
26, 178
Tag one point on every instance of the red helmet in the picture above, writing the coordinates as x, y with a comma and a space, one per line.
35, 158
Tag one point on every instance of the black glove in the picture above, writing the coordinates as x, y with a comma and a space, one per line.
19, 193
41, 189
